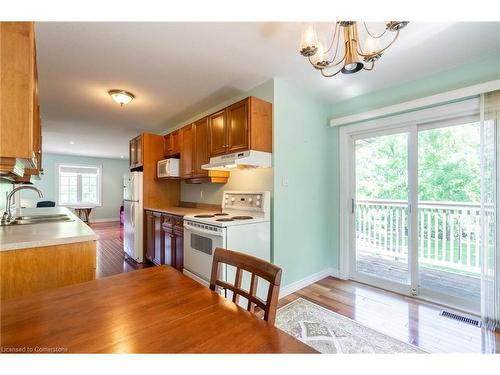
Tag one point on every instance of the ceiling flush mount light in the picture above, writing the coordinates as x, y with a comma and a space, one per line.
349, 56
121, 96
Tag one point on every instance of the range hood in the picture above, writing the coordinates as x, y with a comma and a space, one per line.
240, 160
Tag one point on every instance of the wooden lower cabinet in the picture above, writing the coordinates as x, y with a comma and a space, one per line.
179, 246
157, 248
164, 239
32, 270
168, 243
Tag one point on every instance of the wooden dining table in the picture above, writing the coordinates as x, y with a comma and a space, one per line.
153, 310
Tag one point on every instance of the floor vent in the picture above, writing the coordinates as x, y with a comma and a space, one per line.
461, 318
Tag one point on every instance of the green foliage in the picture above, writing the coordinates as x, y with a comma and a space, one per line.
448, 165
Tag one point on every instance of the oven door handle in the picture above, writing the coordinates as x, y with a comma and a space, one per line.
202, 231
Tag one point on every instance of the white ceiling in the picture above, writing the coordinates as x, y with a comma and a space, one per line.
179, 69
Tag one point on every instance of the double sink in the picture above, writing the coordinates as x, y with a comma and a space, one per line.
39, 219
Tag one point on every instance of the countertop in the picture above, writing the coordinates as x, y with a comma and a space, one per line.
181, 211
15, 237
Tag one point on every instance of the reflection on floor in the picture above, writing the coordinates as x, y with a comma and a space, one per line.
449, 283
110, 254
407, 319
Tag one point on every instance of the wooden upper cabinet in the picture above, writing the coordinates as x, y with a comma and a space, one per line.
131, 154
172, 145
218, 133
17, 84
246, 125
136, 152
237, 126
139, 153
201, 155
186, 164
176, 142
167, 145
20, 122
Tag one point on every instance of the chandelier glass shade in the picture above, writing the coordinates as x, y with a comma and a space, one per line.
345, 53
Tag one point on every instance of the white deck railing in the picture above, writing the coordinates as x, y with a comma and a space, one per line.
448, 232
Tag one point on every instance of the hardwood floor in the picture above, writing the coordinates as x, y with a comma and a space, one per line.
110, 255
407, 319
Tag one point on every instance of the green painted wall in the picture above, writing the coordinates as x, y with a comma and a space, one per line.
306, 211
113, 171
482, 70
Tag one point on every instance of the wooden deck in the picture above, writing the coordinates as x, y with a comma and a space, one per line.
450, 283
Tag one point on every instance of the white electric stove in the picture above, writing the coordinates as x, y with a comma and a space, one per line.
244, 225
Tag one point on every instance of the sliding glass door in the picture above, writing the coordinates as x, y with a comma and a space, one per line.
381, 207
449, 213
416, 211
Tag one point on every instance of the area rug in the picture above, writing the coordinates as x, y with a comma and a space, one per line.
329, 332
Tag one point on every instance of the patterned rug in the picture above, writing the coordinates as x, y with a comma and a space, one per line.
329, 332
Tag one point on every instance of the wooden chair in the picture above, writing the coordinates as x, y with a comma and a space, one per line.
257, 268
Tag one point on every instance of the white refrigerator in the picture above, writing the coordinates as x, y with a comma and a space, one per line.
133, 209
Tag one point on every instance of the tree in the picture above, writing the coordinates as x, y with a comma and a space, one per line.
448, 165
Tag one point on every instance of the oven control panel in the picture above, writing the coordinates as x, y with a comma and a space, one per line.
246, 201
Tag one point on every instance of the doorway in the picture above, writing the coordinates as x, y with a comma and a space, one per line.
414, 220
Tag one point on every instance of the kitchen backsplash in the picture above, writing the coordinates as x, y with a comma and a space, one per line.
251, 180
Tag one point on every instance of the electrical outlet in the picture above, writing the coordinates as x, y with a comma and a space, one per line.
284, 181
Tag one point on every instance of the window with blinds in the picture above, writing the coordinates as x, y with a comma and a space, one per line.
79, 185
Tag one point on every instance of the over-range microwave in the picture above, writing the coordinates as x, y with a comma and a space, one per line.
167, 168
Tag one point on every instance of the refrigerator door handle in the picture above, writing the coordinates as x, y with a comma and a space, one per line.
132, 214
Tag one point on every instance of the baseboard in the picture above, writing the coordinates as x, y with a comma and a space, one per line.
103, 220
311, 279
335, 273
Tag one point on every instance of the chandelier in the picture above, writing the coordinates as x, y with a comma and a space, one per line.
349, 57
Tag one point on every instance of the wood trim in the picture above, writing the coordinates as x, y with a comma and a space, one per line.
27, 271
9, 166
215, 177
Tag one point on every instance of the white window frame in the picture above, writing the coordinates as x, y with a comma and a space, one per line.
81, 204
427, 118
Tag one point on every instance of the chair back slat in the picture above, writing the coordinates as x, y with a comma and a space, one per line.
253, 291
237, 284
257, 268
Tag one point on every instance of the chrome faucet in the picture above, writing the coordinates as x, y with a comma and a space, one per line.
7, 215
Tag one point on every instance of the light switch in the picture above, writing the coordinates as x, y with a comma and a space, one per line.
284, 181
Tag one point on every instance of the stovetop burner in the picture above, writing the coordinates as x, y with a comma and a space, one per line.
221, 214
242, 217
225, 219
206, 216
